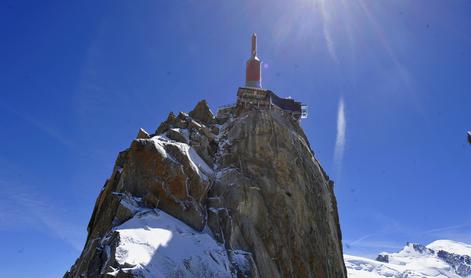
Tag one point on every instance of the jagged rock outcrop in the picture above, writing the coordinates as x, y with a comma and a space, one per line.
202, 113
257, 201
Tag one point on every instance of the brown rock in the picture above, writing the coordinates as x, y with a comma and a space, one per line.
171, 122
142, 134
202, 113
177, 135
164, 170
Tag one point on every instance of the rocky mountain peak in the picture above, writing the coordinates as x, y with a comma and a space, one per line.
202, 113
441, 258
239, 194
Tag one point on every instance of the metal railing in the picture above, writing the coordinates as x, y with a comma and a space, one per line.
304, 111
227, 106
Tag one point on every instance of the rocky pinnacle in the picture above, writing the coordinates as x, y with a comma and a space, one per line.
247, 180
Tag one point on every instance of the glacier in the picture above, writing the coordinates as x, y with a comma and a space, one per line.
439, 259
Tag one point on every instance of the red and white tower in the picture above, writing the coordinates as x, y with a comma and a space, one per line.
253, 71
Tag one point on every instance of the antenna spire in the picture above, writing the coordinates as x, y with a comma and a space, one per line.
254, 45
253, 70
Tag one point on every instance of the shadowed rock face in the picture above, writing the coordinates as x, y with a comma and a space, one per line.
271, 197
252, 179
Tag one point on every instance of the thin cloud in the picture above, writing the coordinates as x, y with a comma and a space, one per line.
30, 209
447, 228
403, 74
326, 31
459, 232
39, 125
360, 239
371, 248
47, 130
340, 138
376, 244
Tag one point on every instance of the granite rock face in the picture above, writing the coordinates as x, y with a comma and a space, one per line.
249, 180
271, 197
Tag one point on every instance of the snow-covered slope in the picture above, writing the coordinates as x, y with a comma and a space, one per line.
451, 246
440, 259
155, 244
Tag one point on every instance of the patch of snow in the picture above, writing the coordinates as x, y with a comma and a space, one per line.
451, 246
107, 250
241, 259
160, 147
196, 123
240, 119
130, 203
196, 162
216, 210
224, 142
183, 131
158, 245
114, 272
224, 171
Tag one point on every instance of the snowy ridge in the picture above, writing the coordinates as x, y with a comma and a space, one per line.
197, 163
451, 246
440, 259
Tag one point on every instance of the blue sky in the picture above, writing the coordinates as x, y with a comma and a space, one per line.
388, 84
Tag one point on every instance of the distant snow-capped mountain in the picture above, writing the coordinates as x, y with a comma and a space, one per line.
440, 259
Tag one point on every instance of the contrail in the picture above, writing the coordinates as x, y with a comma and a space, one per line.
34, 208
340, 138
447, 228
360, 239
